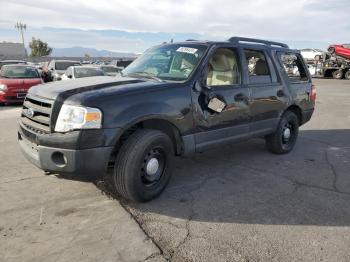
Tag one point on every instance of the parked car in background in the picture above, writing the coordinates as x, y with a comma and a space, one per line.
340, 50
11, 62
111, 70
121, 63
15, 80
74, 72
310, 53
58, 67
45, 72
312, 69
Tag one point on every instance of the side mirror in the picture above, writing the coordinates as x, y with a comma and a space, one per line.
70, 76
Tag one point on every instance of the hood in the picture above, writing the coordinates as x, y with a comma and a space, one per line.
20, 82
65, 89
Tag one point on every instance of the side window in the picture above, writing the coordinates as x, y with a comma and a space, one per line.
258, 67
223, 68
294, 67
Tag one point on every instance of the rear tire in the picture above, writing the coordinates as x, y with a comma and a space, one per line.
285, 136
338, 74
143, 165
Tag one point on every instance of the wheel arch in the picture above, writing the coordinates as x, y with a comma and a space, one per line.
157, 123
296, 110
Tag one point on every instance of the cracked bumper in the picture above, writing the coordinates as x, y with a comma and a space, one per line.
58, 160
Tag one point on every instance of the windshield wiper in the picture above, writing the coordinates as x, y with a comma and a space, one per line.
146, 75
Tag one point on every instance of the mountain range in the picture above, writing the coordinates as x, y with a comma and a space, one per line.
78, 51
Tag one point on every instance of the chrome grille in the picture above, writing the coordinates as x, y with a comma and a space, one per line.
36, 114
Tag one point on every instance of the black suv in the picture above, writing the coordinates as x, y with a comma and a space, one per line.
175, 99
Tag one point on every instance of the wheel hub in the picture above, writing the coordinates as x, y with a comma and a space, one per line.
286, 134
152, 166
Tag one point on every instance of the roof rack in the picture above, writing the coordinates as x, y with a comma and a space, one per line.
237, 39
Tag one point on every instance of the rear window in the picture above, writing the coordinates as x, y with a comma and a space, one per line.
293, 66
87, 72
258, 67
8, 71
64, 65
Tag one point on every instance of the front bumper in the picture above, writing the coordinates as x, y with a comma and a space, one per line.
10, 99
66, 161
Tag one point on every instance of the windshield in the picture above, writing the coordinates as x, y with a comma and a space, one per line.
19, 72
86, 72
64, 65
110, 69
168, 62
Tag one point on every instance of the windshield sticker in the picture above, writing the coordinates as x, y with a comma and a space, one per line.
188, 50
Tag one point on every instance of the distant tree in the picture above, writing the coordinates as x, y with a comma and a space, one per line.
39, 48
87, 56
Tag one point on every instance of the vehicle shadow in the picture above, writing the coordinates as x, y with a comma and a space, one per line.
10, 107
243, 183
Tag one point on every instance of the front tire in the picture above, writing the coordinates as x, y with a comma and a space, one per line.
347, 75
143, 165
284, 139
331, 50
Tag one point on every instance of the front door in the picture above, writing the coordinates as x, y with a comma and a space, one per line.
221, 103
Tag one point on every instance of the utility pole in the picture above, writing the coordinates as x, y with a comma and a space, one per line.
22, 27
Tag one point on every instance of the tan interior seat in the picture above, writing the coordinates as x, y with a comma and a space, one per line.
221, 68
261, 68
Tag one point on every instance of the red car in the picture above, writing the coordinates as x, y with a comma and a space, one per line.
340, 50
15, 80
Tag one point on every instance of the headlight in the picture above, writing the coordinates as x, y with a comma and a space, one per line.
3, 88
78, 117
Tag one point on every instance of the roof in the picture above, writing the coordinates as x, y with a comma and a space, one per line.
241, 41
62, 60
19, 61
26, 65
84, 66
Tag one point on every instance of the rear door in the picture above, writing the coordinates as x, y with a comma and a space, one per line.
297, 78
221, 83
268, 95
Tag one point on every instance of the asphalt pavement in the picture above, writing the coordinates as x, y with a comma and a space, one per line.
234, 203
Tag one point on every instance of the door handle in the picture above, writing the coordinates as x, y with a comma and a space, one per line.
280, 93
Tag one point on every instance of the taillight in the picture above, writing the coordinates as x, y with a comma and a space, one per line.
313, 93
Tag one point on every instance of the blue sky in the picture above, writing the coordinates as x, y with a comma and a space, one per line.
136, 25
